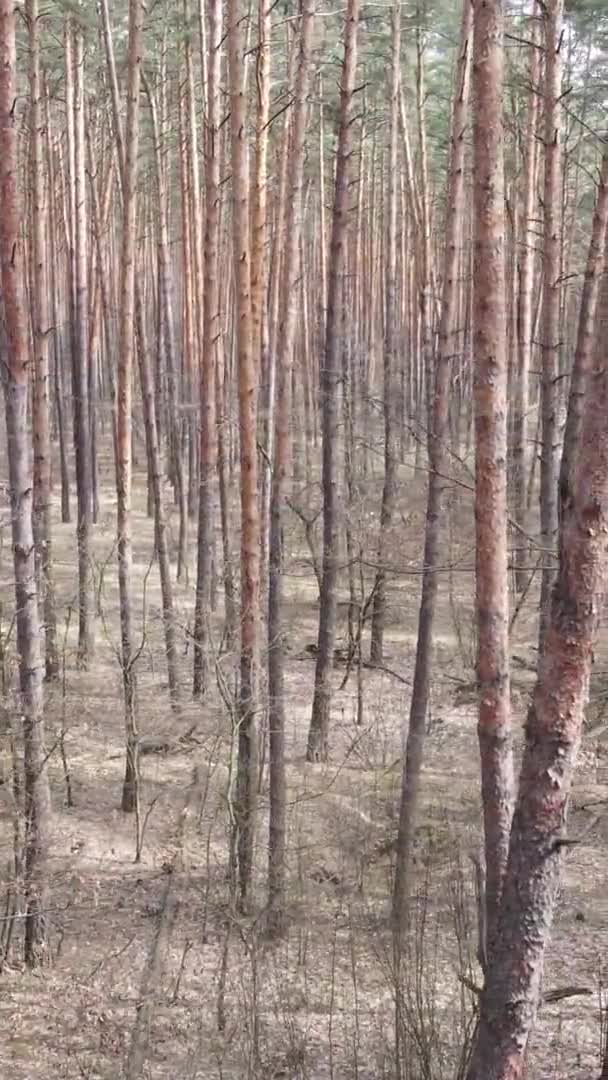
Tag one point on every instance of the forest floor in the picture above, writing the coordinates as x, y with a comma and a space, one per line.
320, 1004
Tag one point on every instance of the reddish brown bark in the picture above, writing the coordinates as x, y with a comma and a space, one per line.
41, 326
490, 388
526, 260
37, 806
553, 732
583, 356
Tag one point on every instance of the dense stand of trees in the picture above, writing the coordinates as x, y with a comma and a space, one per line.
258, 242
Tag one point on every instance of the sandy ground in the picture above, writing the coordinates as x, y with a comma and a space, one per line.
229, 1005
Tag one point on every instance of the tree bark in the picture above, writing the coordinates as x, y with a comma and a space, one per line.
80, 364
389, 404
524, 312
42, 521
550, 318
553, 732
57, 337
209, 360
124, 402
37, 805
286, 342
490, 385
317, 749
245, 806
583, 356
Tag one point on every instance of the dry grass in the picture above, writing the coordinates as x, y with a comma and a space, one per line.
319, 1004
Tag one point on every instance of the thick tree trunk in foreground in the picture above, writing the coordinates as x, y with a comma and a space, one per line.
37, 806
245, 806
490, 393
286, 341
330, 383
553, 731
124, 403
438, 461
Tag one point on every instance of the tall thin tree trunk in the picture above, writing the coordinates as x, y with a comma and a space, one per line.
124, 402
37, 804
389, 404
583, 356
211, 334
286, 341
550, 319
245, 807
524, 312
317, 749
438, 452
269, 370
80, 361
40, 406
490, 386
57, 337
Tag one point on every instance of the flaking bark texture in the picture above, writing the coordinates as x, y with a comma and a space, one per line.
553, 731
490, 387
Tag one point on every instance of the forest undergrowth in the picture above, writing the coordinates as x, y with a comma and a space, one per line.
143, 930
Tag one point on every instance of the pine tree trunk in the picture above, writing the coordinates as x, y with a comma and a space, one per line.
42, 521
583, 356
57, 337
209, 360
550, 319
490, 373
124, 403
286, 342
438, 468
37, 805
389, 403
317, 749
245, 804
524, 315
80, 364
553, 732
